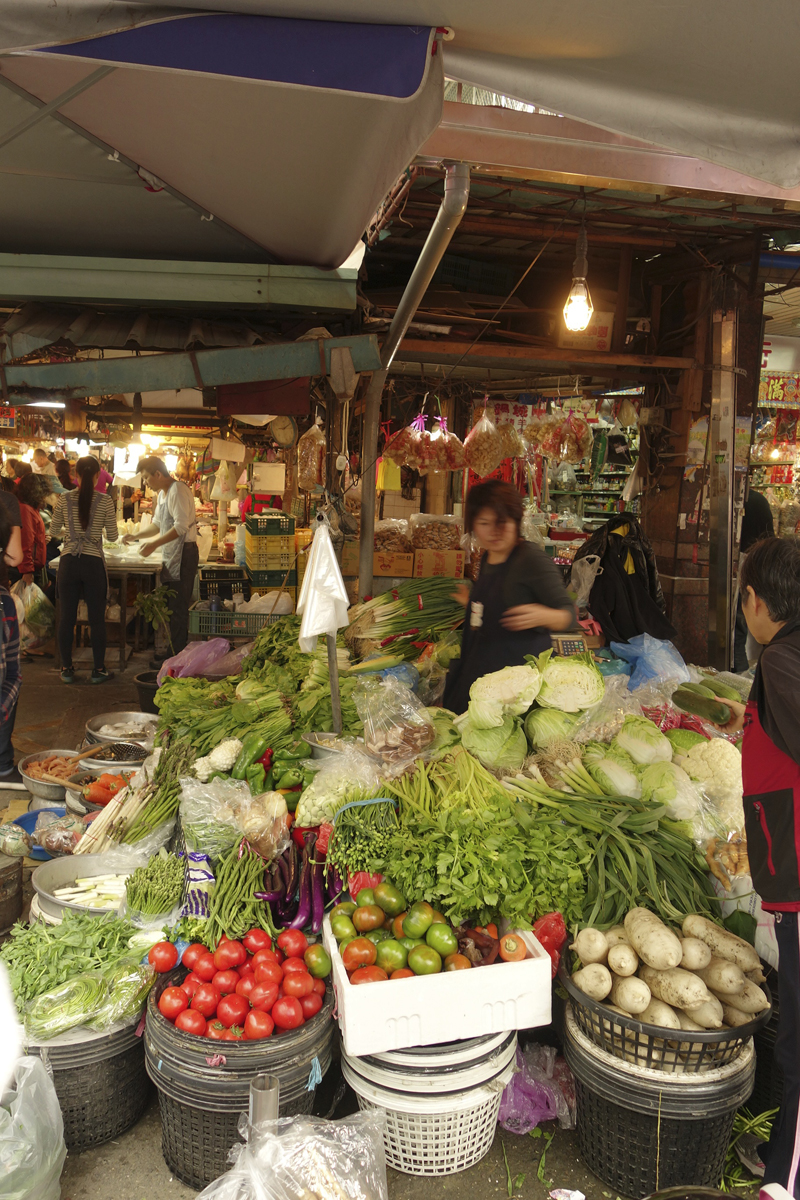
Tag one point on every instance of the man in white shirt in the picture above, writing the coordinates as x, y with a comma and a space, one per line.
41, 464
173, 530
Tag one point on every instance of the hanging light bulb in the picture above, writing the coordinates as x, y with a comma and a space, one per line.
579, 308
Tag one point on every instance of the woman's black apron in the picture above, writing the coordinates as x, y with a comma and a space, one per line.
485, 644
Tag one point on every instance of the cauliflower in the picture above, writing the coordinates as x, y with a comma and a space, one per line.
717, 765
221, 758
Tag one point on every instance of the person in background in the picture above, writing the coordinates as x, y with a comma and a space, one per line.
32, 492
756, 523
10, 505
65, 477
10, 670
769, 584
23, 469
173, 530
103, 481
42, 464
518, 598
80, 518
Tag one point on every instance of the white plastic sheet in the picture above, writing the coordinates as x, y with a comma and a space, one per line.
323, 599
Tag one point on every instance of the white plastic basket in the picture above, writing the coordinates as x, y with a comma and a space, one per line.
434, 1135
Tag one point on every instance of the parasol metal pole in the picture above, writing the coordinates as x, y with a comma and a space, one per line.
333, 671
264, 1096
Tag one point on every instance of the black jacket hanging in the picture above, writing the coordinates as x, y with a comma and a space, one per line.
623, 603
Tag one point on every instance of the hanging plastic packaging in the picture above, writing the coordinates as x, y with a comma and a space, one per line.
484, 447
32, 1150
323, 601
311, 459
403, 448
451, 453
571, 441
513, 445
225, 483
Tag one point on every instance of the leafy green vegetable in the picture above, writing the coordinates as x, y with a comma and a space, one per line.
643, 741
508, 692
545, 725
569, 684
668, 784
503, 748
40, 957
72, 1003
447, 735
612, 769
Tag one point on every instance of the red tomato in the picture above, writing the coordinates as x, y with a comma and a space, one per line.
319, 987
191, 1021
245, 969
205, 967
264, 955
163, 956
229, 954
206, 999
173, 1000
361, 952
257, 1025
234, 1034
232, 1010
226, 981
268, 972
298, 984
288, 1013
191, 983
293, 942
256, 939
263, 996
192, 953
310, 1005
216, 1031
294, 964
402, 973
368, 975
245, 986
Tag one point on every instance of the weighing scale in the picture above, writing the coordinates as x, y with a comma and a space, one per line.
568, 644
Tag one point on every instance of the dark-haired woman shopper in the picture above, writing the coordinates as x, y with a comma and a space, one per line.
517, 599
81, 517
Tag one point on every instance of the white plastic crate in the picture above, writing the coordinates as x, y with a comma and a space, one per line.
430, 1009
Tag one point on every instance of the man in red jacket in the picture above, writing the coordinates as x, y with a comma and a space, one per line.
769, 584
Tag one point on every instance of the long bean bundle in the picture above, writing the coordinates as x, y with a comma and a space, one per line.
233, 908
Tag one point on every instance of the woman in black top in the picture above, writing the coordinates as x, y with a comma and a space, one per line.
518, 598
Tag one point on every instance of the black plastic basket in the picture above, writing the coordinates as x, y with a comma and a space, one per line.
101, 1084
223, 582
651, 1045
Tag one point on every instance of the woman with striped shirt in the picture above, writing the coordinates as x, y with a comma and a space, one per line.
80, 517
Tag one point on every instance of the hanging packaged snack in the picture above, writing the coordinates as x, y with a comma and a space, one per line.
570, 442
447, 449
483, 447
513, 445
431, 532
392, 537
540, 428
311, 459
404, 447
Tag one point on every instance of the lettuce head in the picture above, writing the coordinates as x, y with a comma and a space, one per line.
501, 748
546, 725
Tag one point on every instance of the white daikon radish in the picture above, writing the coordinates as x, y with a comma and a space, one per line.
688, 1024
594, 980
655, 944
751, 999
630, 994
617, 935
623, 960
659, 1013
591, 946
724, 944
694, 954
722, 977
708, 1015
681, 989
734, 1017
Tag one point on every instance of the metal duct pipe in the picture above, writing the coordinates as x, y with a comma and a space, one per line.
451, 210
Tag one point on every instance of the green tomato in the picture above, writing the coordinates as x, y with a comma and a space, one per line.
346, 909
342, 927
410, 942
442, 939
365, 897
389, 899
391, 956
419, 920
423, 960
317, 961
376, 936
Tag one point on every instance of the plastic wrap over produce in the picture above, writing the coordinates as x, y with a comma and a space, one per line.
32, 1149
323, 601
305, 1157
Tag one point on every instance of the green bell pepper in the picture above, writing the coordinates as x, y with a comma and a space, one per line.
256, 778
290, 779
253, 748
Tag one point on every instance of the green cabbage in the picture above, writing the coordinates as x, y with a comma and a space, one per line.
502, 748
546, 725
569, 684
643, 741
682, 740
486, 714
515, 688
666, 783
613, 769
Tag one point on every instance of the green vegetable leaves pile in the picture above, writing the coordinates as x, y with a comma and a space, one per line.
40, 957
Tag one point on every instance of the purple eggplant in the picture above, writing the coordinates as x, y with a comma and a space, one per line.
269, 897
290, 858
333, 883
317, 896
304, 904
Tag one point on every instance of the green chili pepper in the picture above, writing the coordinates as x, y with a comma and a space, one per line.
292, 800
256, 778
290, 779
252, 749
218, 775
269, 780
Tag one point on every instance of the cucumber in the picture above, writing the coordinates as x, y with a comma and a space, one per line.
700, 706
700, 689
723, 689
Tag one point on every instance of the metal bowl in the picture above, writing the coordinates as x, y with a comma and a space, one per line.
323, 745
134, 757
61, 872
75, 801
37, 787
134, 721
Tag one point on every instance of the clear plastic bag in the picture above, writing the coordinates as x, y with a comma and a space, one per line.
391, 537
195, 659
604, 720
403, 448
209, 813
432, 532
570, 441
70, 1004
511, 438
582, 577
14, 841
396, 726
339, 775
264, 821
484, 447
40, 615
61, 836
32, 1150
447, 449
307, 1157
311, 459
128, 984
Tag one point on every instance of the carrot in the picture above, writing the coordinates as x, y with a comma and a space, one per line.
490, 930
96, 794
512, 948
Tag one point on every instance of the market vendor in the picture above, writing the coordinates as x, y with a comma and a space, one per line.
517, 600
173, 530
